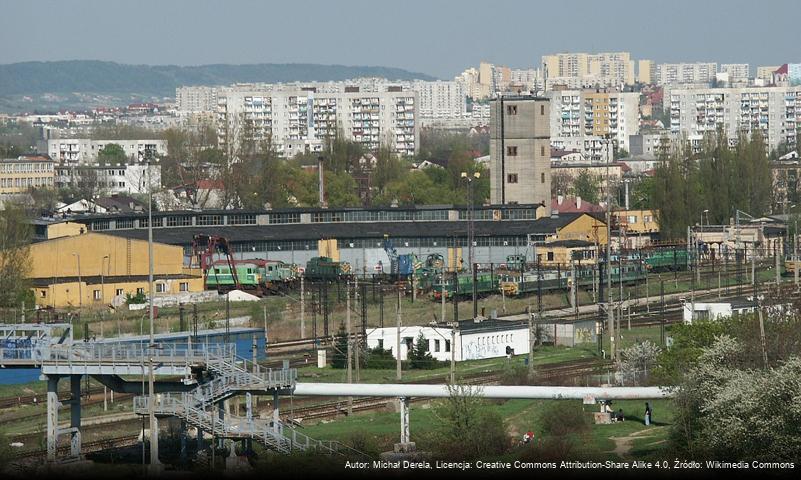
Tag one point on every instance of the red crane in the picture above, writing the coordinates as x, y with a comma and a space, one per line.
205, 246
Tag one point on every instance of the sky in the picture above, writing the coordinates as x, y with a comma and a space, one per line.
437, 37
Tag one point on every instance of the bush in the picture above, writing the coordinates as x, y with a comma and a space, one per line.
419, 356
563, 418
515, 374
137, 299
466, 428
380, 359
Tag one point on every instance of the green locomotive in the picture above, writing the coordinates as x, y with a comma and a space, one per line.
260, 276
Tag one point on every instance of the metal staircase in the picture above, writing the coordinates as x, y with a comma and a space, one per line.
198, 407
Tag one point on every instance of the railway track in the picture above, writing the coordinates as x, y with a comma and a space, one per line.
86, 447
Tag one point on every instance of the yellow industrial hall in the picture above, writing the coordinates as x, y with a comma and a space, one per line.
92, 269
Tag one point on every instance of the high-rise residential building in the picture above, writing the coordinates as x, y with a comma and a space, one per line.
766, 73
678, 73
738, 72
196, 99
646, 71
604, 113
775, 111
520, 167
85, 150
615, 68
300, 118
441, 99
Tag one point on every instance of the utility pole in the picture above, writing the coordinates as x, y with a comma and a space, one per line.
795, 253
350, 349
302, 310
610, 315
398, 374
531, 338
154, 436
442, 292
453, 353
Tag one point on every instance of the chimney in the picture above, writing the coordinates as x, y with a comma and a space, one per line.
578, 203
559, 199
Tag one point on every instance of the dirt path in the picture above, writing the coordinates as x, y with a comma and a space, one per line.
623, 444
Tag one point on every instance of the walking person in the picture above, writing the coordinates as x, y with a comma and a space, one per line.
647, 413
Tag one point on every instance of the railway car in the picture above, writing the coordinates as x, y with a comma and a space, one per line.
486, 283
324, 269
665, 259
248, 272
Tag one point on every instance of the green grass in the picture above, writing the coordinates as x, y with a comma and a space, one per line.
519, 416
543, 356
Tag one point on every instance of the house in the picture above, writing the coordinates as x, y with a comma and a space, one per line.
562, 204
716, 310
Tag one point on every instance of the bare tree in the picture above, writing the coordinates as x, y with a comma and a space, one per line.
15, 263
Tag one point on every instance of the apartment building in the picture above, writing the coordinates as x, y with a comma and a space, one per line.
765, 73
84, 150
441, 99
594, 149
646, 71
775, 111
738, 73
604, 113
18, 175
615, 68
110, 178
196, 99
520, 167
681, 73
300, 118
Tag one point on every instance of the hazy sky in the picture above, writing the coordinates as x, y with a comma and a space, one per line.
437, 37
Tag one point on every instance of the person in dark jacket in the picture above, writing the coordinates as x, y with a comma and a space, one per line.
647, 413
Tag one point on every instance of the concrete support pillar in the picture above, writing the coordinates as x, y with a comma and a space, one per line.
183, 441
404, 418
249, 407
52, 416
199, 439
75, 415
276, 414
221, 416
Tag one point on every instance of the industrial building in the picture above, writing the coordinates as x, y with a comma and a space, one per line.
354, 235
478, 340
96, 269
520, 150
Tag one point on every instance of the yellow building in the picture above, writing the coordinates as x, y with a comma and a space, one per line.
563, 252
94, 269
18, 175
585, 227
636, 221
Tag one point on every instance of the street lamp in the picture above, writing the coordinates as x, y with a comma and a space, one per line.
80, 291
471, 235
154, 445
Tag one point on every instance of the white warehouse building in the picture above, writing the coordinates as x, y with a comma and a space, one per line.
479, 340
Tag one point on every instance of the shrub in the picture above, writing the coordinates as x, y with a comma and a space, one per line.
563, 417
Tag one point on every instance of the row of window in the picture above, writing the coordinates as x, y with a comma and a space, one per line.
32, 167
160, 287
25, 182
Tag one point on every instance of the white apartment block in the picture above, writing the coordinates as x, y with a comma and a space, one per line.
612, 68
111, 178
594, 113
737, 72
776, 111
679, 73
84, 150
441, 99
593, 149
301, 118
195, 99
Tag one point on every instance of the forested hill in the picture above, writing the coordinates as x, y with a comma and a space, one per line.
33, 78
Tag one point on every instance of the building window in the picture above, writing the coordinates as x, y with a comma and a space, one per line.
542, 109
161, 288
632, 219
436, 345
184, 286
511, 178
43, 293
550, 256
511, 151
542, 150
119, 292
96, 294
447, 345
511, 109
140, 291
542, 177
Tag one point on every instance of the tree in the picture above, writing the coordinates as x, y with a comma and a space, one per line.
727, 411
15, 262
587, 186
636, 362
419, 356
112, 153
466, 428
560, 183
